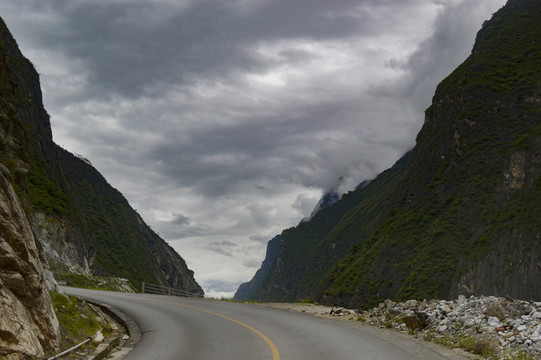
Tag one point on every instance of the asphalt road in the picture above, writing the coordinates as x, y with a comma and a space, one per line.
185, 328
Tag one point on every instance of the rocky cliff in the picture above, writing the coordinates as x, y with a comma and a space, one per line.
28, 325
460, 213
78, 221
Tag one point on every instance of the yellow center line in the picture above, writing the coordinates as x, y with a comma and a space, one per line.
274, 349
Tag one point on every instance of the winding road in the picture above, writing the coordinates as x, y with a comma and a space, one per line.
186, 328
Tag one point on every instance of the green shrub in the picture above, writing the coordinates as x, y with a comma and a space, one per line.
79, 321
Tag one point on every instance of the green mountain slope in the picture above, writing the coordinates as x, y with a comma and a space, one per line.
461, 214
308, 251
80, 222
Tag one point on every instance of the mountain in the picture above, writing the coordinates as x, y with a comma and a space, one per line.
308, 251
79, 221
460, 213
245, 290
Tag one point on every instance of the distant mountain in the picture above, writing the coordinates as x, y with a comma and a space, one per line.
245, 290
80, 222
460, 213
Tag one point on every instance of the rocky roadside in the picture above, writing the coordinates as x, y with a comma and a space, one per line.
486, 326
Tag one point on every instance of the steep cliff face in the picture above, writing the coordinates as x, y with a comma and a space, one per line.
460, 213
28, 325
245, 290
81, 223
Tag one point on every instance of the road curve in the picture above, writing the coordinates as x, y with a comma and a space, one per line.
184, 328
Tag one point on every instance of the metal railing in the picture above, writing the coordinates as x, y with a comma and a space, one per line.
147, 288
76, 346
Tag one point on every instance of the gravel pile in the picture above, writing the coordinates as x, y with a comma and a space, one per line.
483, 325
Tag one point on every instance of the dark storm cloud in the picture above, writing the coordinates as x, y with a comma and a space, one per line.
139, 47
222, 247
300, 149
246, 150
182, 226
180, 220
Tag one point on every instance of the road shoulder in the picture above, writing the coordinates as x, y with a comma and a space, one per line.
350, 318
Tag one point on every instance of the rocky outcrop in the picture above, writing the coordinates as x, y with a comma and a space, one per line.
58, 250
511, 270
28, 325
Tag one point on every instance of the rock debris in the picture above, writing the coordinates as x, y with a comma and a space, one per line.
488, 326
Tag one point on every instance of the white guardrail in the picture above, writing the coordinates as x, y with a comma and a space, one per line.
147, 288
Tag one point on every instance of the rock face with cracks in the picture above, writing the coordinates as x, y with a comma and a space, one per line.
28, 325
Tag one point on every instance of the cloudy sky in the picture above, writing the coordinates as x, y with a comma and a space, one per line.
224, 121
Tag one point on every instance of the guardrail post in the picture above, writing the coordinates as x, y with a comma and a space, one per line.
143, 287
169, 292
